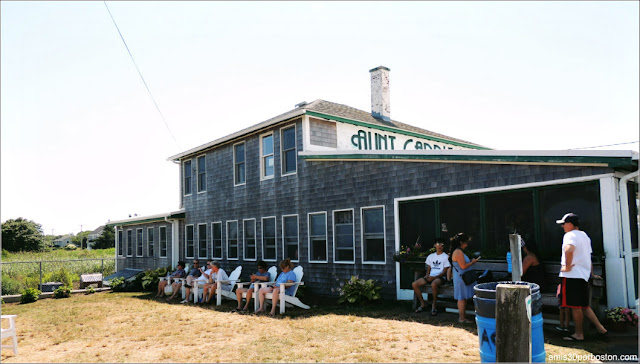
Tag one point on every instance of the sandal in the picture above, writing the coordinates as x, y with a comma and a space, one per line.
465, 321
571, 338
434, 312
419, 309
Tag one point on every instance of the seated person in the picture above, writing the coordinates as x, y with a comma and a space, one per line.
532, 270
201, 281
287, 276
193, 274
178, 273
261, 275
438, 267
217, 274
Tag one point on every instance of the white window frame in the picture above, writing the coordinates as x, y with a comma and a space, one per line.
233, 151
120, 240
213, 243
140, 243
237, 240
184, 185
153, 233
166, 242
295, 139
353, 234
129, 242
244, 241
275, 238
186, 242
284, 247
326, 236
263, 157
206, 242
198, 174
384, 234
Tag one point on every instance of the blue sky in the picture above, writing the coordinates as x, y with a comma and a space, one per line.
82, 141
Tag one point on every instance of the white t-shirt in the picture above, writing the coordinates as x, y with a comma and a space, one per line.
437, 263
581, 255
202, 279
222, 276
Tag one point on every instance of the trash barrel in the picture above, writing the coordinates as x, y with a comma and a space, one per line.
485, 307
50, 286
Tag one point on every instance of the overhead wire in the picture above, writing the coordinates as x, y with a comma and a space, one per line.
140, 73
608, 145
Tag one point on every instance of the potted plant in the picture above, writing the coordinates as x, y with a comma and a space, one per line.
620, 318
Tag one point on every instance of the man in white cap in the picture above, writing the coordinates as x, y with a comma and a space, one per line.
575, 271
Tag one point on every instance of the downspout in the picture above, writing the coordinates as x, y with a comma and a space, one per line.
626, 239
116, 250
175, 240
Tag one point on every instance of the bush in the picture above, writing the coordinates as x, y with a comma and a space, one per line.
359, 291
90, 290
118, 284
10, 285
30, 295
71, 247
151, 278
62, 275
62, 292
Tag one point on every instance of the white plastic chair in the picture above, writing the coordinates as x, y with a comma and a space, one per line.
229, 294
285, 299
10, 333
273, 272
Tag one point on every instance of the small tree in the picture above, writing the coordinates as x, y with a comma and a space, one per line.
21, 235
107, 239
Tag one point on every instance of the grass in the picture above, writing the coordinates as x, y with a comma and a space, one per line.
57, 254
132, 327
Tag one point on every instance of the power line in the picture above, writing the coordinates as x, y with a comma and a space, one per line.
140, 73
608, 145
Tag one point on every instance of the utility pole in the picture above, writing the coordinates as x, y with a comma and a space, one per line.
80, 237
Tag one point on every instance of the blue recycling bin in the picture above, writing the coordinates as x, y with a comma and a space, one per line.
485, 307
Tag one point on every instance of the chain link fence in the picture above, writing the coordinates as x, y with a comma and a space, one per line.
18, 276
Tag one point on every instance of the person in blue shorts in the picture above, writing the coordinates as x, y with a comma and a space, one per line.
287, 276
260, 276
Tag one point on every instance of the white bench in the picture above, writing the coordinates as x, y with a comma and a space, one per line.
10, 333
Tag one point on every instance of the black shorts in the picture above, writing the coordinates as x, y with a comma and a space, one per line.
443, 279
574, 293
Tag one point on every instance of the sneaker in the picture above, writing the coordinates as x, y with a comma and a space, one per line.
184, 301
562, 329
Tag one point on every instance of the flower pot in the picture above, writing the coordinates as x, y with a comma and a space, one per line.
617, 326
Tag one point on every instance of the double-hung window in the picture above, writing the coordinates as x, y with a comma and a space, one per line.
216, 237
249, 239
232, 240
188, 241
266, 156
129, 243
343, 232
186, 173
290, 237
373, 240
288, 157
163, 241
120, 243
318, 237
202, 173
239, 176
139, 242
269, 238
202, 240
150, 242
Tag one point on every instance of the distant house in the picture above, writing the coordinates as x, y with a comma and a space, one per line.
91, 238
63, 241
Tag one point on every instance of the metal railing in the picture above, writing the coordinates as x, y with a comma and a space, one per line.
20, 275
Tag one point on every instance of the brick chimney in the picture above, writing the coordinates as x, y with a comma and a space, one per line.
380, 107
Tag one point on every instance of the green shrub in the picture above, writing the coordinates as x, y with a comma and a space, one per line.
359, 291
10, 285
151, 278
71, 247
118, 284
30, 295
32, 280
90, 290
62, 275
62, 292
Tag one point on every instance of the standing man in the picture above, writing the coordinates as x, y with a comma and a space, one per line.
437, 269
575, 271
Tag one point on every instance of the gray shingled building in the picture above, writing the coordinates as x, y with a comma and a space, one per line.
339, 190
